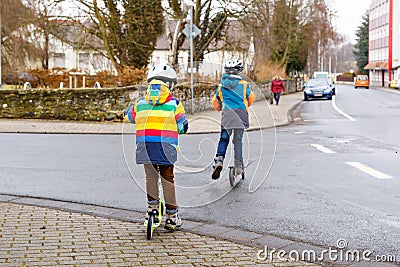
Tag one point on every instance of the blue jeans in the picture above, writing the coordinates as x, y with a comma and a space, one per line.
277, 96
237, 143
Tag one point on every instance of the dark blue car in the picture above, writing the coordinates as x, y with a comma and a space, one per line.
317, 88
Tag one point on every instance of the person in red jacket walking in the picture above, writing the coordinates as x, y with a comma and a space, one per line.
276, 88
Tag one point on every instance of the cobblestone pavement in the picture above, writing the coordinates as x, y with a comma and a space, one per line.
37, 236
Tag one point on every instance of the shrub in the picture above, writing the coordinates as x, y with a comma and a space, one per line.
267, 71
52, 78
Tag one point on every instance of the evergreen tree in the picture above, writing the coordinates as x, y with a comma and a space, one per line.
129, 33
144, 23
297, 60
282, 32
361, 47
289, 48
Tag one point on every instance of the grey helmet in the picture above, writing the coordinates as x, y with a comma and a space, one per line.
234, 66
163, 73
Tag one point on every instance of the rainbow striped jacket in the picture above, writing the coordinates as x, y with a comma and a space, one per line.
159, 119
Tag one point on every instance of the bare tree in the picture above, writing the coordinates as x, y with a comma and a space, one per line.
126, 30
48, 22
301, 30
258, 23
211, 17
178, 12
321, 33
15, 48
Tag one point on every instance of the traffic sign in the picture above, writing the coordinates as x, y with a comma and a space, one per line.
195, 31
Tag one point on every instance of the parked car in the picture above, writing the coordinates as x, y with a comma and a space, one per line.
397, 84
317, 88
394, 83
361, 81
20, 77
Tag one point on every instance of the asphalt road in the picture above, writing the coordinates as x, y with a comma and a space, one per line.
332, 175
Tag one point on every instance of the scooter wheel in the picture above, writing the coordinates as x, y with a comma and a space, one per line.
150, 229
232, 176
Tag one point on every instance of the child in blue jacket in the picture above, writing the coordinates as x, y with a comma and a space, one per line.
233, 97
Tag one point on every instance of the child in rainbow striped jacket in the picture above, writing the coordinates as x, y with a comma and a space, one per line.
159, 119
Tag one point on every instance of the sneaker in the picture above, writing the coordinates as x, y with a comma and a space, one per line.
152, 208
173, 221
238, 171
218, 165
238, 168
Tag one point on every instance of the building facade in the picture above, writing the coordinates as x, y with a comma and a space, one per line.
67, 56
384, 41
77, 56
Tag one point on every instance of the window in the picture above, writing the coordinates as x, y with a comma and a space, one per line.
83, 60
97, 62
157, 60
59, 60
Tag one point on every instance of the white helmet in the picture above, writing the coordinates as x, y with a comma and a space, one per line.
164, 73
234, 66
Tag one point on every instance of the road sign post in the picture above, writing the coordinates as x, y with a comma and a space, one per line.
191, 32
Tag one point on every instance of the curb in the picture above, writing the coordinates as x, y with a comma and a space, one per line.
218, 231
244, 237
289, 121
296, 107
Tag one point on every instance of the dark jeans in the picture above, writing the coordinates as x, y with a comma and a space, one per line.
277, 96
237, 143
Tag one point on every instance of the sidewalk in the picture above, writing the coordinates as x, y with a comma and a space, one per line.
41, 232
204, 122
44, 232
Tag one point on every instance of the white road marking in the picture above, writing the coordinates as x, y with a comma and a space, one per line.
342, 141
340, 111
187, 169
299, 132
369, 170
323, 149
326, 120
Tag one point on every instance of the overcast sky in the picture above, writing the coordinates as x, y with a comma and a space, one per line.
349, 17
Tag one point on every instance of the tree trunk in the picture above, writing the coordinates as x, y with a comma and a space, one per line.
45, 62
174, 40
103, 29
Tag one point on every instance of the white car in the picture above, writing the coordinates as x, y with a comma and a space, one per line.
397, 84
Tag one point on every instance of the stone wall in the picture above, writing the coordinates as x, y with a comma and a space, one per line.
101, 104
64, 104
203, 93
